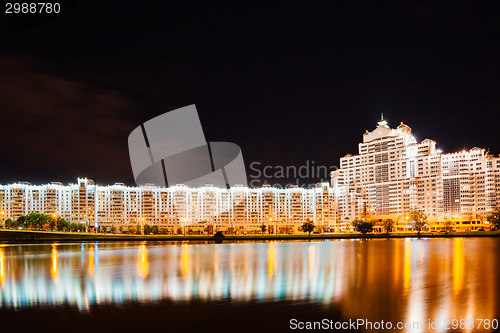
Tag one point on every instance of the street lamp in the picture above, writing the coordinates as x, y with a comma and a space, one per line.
142, 225
54, 216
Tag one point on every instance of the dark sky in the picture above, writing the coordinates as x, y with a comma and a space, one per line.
287, 82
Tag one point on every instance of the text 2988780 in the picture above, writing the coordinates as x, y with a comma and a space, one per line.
32, 8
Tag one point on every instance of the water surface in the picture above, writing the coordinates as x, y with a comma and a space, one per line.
378, 279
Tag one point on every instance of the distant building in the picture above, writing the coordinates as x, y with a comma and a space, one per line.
394, 174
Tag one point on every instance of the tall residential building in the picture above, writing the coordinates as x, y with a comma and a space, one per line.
394, 174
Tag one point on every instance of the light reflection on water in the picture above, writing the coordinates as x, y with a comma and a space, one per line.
400, 279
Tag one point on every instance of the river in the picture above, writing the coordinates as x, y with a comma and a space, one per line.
406, 280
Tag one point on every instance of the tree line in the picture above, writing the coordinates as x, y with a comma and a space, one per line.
39, 221
419, 222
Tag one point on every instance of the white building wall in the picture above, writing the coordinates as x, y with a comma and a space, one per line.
177, 206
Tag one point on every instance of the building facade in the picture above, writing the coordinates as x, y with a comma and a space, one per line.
176, 209
393, 174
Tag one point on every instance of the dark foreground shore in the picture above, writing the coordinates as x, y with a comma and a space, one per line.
166, 316
27, 235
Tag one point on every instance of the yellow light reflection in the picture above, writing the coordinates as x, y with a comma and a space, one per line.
311, 261
271, 255
91, 260
396, 263
407, 266
54, 257
458, 265
184, 260
143, 261
333, 275
2, 265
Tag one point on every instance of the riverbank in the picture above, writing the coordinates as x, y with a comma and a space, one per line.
28, 235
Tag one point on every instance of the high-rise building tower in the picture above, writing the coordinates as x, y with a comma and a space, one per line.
394, 174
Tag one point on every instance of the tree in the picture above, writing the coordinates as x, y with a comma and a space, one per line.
263, 228
61, 224
419, 220
30, 221
138, 229
494, 219
112, 229
21, 221
155, 230
308, 226
132, 230
362, 227
35, 220
52, 223
388, 225
449, 225
9, 223
120, 229
74, 227
147, 229
104, 229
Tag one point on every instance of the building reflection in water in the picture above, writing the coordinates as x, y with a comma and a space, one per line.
2, 265
143, 260
54, 258
410, 279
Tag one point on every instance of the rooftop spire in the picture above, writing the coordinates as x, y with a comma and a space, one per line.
382, 121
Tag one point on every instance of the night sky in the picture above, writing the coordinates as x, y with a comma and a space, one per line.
287, 83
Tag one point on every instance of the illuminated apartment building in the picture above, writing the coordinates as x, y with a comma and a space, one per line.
394, 174
238, 209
